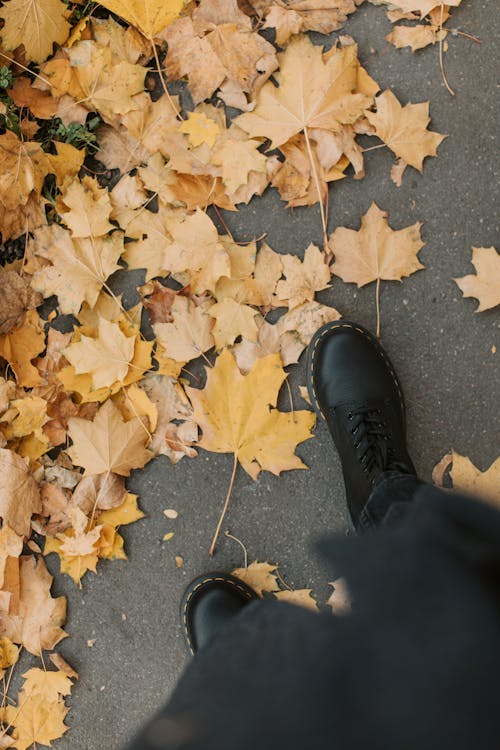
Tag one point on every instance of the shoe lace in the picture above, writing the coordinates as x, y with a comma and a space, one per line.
371, 437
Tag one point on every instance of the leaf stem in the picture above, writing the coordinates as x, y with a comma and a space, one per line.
318, 190
377, 302
441, 63
224, 510
163, 82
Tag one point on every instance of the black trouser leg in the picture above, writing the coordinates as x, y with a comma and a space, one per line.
414, 666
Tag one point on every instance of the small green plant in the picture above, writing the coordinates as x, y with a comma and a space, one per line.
5, 77
79, 136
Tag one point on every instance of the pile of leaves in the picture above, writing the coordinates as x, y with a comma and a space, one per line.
104, 167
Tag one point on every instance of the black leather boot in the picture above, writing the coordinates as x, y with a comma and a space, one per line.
209, 602
353, 386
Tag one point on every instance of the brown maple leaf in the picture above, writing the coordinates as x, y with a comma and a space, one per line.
237, 414
16, 299
38, 623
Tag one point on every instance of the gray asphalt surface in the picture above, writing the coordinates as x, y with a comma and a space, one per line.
441, 349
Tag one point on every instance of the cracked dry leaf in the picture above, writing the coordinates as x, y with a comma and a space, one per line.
237, 414
79, 267
108, 443
37, 624
232, 320
19, 493
36, 24
21, 346
189, 334
315, 90
375, 251
484, 285
259, 576
297, 327
422, 34
303, 278
16, 299
106, 358
404, 129
149, 16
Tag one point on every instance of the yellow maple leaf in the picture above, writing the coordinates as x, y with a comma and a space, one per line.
259, 576
39, 715
108, 443
24, 168
36, 24
128, 512
106, 357
404, 129
315, 90
485, 284
149, 16
232, 320
299, 597
303, 278
79, 266
190, 333
200, 129
9, 654
85, 208
237, 414
22, 345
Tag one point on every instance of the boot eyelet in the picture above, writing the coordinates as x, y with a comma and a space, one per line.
349, 417
356, 445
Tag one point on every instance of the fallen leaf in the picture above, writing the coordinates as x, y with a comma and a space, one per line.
86, 208
37, 626
315, 90
168, 536
126, 513
149, 16
17, 298
469, 479
303, 278
261, 577
19, 493
37, 25
63, 666
200, 129
404, 129
299, 597
485, 284
375, 251
235, 415
108, 443
231, 321
189, 334
106, 357
340, 598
